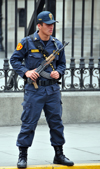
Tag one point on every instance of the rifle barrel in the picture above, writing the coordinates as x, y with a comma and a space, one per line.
62, 48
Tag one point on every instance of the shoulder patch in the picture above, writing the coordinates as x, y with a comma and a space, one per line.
19, 46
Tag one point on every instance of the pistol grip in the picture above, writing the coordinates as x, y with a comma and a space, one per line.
35, 85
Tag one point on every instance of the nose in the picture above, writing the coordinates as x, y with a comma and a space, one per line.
51, 25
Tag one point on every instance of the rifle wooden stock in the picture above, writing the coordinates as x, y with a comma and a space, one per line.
52, 57
49, 57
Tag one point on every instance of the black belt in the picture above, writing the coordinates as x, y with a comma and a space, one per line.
47, 82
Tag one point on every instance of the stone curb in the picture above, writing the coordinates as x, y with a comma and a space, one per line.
76, 166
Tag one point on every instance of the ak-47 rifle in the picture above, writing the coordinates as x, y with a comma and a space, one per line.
45, 64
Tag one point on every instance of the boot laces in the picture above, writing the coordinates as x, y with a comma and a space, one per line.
63, 156
23, 155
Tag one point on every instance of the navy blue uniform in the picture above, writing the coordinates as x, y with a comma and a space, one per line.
47, 98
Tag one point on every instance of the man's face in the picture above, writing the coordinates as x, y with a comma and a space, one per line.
46, 29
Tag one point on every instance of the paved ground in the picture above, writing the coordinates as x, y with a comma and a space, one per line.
82, 145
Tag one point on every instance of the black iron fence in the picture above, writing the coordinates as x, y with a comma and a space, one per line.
78, 77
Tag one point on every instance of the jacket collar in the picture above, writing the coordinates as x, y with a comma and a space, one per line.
36, 37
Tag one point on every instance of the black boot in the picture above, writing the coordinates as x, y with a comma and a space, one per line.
60, 157
22, 161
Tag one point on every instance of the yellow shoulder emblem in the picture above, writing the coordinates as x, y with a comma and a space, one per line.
19, 46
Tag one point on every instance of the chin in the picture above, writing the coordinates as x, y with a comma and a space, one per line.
51, 33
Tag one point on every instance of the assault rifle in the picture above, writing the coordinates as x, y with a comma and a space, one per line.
44, 65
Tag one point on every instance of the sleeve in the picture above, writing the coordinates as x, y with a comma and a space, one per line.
17, 57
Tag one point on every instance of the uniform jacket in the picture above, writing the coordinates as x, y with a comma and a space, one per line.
33, 58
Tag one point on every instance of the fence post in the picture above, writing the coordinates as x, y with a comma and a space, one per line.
82, 63
91, 59
1, 38
6, 63
51, 6
63, 35
72, 60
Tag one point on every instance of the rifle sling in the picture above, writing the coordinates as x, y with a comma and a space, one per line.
40, 46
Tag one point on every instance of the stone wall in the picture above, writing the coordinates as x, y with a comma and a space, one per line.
78, 107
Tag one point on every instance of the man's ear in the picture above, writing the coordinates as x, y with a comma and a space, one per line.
39, 26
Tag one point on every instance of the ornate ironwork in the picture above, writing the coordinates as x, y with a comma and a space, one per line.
89, 82
86, 79
14, 83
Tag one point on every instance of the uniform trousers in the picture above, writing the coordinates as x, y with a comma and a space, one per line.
34, 102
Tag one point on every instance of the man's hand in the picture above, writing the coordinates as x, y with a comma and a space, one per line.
55, 75
32, 74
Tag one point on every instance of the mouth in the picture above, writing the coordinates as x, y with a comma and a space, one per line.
51, 31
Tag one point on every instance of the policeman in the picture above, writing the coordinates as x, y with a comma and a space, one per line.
47, 96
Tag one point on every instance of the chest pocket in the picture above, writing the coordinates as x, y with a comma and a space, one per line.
35, 58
